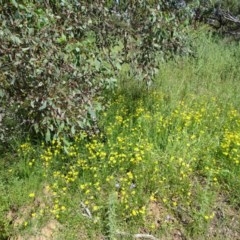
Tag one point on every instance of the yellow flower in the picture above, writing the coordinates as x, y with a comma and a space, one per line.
152, 198
95, 208
206, 217
134, 212
63, 208
31, 195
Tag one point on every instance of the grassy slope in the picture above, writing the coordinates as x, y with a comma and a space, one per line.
166, 163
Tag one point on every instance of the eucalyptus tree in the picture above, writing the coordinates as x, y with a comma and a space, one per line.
58, 57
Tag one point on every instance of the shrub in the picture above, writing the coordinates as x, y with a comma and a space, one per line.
57, 58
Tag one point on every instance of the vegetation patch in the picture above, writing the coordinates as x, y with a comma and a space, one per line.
158, 153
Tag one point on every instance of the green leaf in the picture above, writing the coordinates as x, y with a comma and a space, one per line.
2, 93
73, 131
32, 103
51, 127
14, 3
36, 127
61, 127
62, 39
44, 105
16, 39
66, 142
48, 136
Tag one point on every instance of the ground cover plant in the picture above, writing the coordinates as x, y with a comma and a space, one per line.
164, 164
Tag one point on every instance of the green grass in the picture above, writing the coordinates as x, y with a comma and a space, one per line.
165, 163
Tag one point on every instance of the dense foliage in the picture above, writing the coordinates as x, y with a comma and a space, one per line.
57, 57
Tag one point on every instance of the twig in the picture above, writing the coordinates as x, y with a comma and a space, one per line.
146, 236
86, 209
138, 235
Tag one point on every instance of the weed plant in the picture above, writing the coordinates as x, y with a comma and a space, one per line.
166, 160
